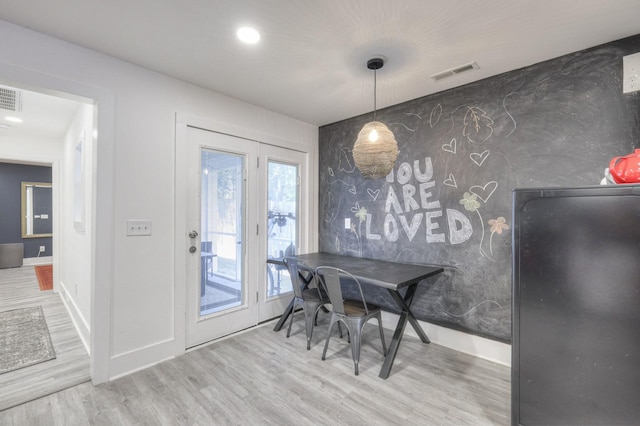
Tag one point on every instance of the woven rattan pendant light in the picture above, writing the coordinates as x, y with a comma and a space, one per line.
376, 150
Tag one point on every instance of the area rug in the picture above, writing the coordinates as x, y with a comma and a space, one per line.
44, 273
24, 339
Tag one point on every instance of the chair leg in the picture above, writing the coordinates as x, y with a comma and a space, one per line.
308, 319
293, 311
326, 344
355, 344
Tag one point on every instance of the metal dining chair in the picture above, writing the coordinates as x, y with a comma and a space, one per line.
353, 313
310, 299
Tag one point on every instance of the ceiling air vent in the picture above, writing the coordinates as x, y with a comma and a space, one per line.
455, 71
10, 99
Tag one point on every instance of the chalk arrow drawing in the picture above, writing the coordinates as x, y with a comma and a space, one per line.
479, 158
451, 181
345, 163
484, 192
373, 194
450, 147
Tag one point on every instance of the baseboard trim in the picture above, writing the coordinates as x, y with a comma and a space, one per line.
45, 260
141, 358
480, 347
79, 322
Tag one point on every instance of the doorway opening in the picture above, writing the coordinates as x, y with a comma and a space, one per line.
57, 131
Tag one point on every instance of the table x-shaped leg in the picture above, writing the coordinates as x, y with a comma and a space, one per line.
405, 304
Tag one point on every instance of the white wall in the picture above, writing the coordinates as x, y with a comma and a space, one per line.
75, 244
30, 148
133, 297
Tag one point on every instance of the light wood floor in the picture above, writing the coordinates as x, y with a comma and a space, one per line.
260, 377
19, 289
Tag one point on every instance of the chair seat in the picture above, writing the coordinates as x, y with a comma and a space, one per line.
356, 307
312, 294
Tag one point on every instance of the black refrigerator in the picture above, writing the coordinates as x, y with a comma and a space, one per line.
576, 306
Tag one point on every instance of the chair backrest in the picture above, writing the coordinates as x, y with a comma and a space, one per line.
292, 266
331, 278
290, 250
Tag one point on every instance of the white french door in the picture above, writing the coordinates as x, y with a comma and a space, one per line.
243, 205
282, 179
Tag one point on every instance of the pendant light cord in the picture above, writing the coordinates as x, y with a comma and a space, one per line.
375, 85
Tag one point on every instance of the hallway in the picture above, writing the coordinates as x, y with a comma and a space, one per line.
19, 289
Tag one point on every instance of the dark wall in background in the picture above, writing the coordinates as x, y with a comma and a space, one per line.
462, 152
11, 177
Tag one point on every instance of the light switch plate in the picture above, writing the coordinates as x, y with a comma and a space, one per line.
138, 227
631, 73
347, 223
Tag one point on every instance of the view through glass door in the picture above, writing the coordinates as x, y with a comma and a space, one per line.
239, 215
221, 241
284, 179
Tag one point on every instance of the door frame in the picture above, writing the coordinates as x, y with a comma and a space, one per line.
309, 234
102, 202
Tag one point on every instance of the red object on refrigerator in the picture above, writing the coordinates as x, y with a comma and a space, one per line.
626, 169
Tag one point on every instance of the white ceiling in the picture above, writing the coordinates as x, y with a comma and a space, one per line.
310, 63
43, 116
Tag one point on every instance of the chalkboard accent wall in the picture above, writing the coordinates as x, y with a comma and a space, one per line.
11, 177
462, 152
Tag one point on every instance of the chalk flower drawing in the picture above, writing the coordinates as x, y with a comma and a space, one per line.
470, 201
362, 214
497, 226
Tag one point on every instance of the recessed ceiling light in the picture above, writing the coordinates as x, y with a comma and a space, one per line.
14, 119
248, 35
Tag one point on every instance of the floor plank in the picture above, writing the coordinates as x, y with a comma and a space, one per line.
261, 377
19, 289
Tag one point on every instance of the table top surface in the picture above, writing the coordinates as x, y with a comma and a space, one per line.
391, 275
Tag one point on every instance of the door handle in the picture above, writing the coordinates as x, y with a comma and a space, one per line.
193, 234
192, 249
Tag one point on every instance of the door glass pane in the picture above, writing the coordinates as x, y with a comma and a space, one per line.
221, 281
282, 208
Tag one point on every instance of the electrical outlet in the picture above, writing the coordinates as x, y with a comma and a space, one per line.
42, 248
138, 227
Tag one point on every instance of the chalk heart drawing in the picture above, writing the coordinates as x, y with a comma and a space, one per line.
450, 147
352, 190
451, 181
479, 157
373, 194
484, 192
330, 170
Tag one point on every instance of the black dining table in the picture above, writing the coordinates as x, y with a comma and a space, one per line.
392, 276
